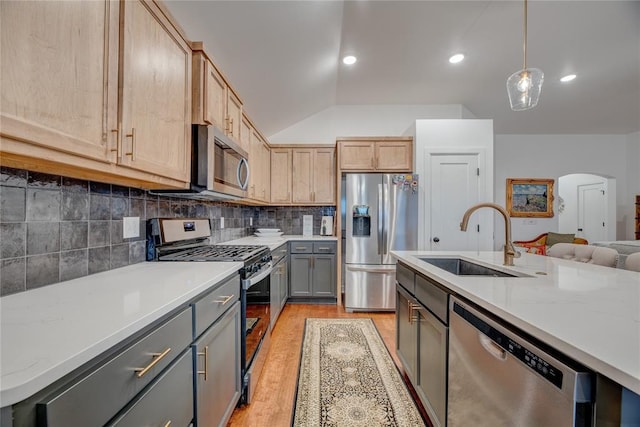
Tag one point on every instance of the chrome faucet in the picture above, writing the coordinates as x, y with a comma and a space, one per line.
509, 251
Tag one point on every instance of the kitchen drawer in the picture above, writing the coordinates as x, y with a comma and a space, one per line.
433, 297
406, 278
167, 402
301, 247
96, 398
212, 305
324, 247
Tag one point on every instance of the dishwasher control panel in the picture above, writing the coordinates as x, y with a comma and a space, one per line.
533, 360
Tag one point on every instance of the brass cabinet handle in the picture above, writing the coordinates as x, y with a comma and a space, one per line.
226, 299
117, 132
131, 135
157, 357
231, 126
412, 307
205, 353
168, 423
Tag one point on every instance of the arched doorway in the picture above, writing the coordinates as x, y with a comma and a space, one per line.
587, 206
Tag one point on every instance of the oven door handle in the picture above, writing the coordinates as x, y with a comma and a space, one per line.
247, 283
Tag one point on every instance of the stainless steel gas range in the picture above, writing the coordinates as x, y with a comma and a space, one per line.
173, 239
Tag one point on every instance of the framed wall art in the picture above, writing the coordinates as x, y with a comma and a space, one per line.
530, 198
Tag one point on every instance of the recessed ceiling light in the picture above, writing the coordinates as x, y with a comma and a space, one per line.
458, 57
568, 78
349, 60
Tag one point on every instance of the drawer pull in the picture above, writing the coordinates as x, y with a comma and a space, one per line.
168, 423
205, 353
301, 248
141, 372
323, 249
226, 299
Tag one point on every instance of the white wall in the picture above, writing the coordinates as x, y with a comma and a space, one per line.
455, 137
567, 190
363, 120
551, 156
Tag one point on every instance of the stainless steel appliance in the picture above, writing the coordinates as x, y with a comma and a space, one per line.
171, 239
498, 378
219, 167
381, 214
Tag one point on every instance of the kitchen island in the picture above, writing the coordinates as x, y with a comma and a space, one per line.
49, 332
589, 313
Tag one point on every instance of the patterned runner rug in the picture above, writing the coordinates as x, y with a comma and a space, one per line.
347, 378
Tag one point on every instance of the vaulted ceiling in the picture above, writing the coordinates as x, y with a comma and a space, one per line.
284, 58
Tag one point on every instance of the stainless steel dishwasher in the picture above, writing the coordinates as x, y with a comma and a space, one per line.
497, 378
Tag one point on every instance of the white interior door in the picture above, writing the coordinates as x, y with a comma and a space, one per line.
592, 221
454, 186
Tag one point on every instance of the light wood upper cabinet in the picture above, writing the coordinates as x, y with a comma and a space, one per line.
313, 176
234, 116
260, 164
214, 101
52, 96
389, 154
245, 133
156, 89
281, 175
99, 90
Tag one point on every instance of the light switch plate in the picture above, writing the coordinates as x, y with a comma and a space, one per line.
130, 227
221, 222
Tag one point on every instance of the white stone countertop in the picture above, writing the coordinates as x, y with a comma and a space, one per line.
588, 312
274, 242
48, 332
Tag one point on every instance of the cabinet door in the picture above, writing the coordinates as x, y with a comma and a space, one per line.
284, 283
169, 401
234, 115
324, 276
281, 175
357, 155
156, 89
300, 280
59, 73
265, 181
245, 134
215, 97
217, 362
432, 366
324, 176
406, 334
274, 295
394, 156
302, 173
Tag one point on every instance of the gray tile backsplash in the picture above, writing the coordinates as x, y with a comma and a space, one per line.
55, 228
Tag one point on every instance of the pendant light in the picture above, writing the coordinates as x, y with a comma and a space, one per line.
524, 86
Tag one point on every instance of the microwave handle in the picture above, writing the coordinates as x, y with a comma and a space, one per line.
243, 163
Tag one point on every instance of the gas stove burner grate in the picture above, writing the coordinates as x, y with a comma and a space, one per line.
215, 253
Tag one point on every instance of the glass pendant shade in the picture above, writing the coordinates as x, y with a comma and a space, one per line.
524, 88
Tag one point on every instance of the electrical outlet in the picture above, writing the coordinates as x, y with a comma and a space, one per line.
530, 222
130, 227
221, 222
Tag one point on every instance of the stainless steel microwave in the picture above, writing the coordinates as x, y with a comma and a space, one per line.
219, 167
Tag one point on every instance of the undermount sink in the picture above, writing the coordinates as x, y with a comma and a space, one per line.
463, 267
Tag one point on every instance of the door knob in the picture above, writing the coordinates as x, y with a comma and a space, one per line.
436, 239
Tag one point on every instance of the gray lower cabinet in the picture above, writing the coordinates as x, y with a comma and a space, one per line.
218, 378
422, 340
279, 287
168, 402
98, 396
312, 269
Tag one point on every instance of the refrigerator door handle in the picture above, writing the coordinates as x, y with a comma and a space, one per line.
385, 226
380, 220
371, 270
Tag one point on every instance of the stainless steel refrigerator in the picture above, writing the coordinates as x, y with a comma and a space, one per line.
380, 214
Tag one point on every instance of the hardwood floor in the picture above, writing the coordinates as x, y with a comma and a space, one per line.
272, 403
